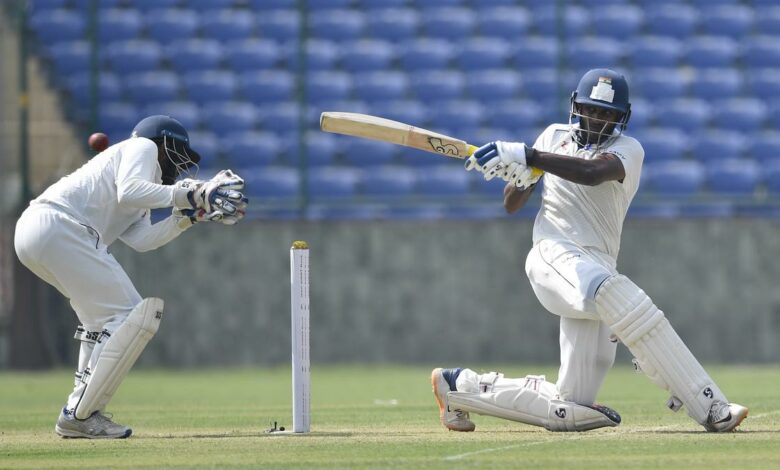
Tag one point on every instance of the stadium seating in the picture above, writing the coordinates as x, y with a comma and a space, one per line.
704, 77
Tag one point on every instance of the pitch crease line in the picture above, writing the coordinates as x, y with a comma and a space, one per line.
494, 449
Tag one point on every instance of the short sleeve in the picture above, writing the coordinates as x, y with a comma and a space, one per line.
632, 155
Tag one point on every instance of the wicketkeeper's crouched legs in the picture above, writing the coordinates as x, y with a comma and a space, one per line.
114, 351
530, 400
662, 355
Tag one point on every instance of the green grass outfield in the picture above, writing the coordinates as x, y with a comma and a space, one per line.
383, 416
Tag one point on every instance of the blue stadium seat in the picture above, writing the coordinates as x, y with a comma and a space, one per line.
663, 144
186, 112
767, 19
713, 209
534, 52
329, 211
40, 5
426, 54
280, 117
134, 56
718, 145
437, 85
743, 114
70, 57
442, 180
84, 5
146, 5
379, 86
727, 20
328, 86
419, 211
80, 87
364, 152
674, 19
333, 182
175, 24
394, 24
772, 176
432, 5
711, 51
208, 5
619, 21
660, 83
493, 85
507, 22
267, 86
720, 83
764, 146
448, 23
382, 4
367, 55
687, 114
251, 149
226, 117
210, 85
253, 54
515, 114
542, 84
764, 83
117, 119
322, 54
51, 26
328, 5
575, 24
322, 148
592, 52
457, 114
481, 53
736, 177
119, 25
761, 51
281, 25
272, 183
675, 178
337, 25
389, 181
227, 25
150, 87
643, 114
656, 51
195, 54
408, 111
493, 188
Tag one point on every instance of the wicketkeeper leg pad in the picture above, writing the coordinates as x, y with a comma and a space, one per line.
660, 352
118, 356
533, 401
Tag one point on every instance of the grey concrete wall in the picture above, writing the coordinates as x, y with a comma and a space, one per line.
445, 292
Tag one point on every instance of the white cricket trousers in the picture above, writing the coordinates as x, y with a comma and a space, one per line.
69, 256
565, 278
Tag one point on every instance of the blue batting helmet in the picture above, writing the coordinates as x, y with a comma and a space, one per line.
160, 128
604, 88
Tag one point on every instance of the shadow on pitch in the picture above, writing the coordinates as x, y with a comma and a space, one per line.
244, 435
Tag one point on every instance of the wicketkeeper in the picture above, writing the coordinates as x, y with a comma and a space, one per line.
591, 175
64, 236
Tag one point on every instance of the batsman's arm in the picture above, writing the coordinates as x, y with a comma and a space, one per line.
603, 167
515, 198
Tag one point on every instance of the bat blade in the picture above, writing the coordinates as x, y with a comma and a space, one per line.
394, 132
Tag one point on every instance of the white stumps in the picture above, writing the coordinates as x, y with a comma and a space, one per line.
299, 313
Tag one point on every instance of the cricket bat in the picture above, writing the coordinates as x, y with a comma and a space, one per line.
394, 132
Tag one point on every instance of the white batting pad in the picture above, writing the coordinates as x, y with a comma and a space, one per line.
119, 354
661, 354
535, 402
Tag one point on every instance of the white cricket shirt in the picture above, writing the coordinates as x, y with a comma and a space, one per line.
113, 192
590, 216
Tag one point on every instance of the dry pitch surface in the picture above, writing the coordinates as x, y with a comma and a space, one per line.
383, 416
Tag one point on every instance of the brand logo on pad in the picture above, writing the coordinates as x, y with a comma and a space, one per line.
158, 314
561, 413
441, 147
708, 392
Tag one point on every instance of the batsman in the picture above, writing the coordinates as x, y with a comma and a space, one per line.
591, 174
64, 238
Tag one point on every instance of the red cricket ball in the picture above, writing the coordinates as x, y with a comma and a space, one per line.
98, 141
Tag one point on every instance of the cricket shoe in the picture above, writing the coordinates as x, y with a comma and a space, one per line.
725, 417
97, 426
443, 381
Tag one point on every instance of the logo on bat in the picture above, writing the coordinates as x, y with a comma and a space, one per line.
441, 147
